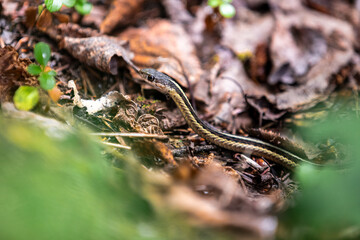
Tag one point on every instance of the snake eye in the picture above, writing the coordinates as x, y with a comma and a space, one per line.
151, 78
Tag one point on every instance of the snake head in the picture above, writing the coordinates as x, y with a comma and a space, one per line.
158, 80
148, 74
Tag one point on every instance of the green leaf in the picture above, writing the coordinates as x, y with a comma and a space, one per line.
52, 73
227, 10
47, 80
34, 69
53, 5
26, 97
84, 8
214, 3
69, 3
42, 53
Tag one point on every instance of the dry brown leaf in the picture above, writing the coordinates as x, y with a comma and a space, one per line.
306, 49
104, 53
344, 10
198, 28
260, 64
167, 47
128, 117
247, 32
294, 49
121, 12
45, 20
177, 11
315, 82
155, 149
228, 79
12, 8
220, 202
127, 112
265, 110
13, 73
30, 16
96, 16
61, 18
171, 119
228, 86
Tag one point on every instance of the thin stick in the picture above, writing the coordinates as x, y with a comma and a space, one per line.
131, 135
117, 145
252, 163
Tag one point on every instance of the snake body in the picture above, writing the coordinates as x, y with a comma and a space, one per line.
246, 145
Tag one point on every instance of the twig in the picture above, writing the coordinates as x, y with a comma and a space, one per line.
85, 78
62, 68
131, 135
117, 145
252, 163
20, 42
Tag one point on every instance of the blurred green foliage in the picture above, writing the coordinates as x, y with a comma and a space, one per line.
328, 204
26, 98
53, 5
62, 187
226, 9
81, 6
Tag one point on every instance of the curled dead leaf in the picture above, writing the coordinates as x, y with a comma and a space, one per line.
104, 53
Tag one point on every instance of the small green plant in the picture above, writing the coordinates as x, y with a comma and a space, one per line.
81, 6
42, 54
26, 97
226, 9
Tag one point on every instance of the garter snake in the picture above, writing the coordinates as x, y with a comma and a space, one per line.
246, 145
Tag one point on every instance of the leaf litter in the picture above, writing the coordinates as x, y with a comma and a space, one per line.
272, 59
